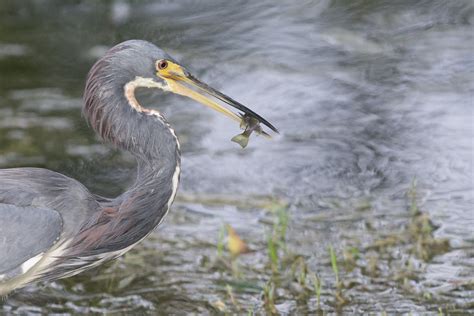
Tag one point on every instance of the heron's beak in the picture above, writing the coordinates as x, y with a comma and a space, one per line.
180, 81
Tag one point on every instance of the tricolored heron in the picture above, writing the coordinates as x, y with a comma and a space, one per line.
51, 226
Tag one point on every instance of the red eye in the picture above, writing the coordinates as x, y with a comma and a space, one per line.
162, 64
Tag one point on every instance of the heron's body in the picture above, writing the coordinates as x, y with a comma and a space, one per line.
46, 207
51, 226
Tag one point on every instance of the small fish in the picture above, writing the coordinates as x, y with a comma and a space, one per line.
249, 124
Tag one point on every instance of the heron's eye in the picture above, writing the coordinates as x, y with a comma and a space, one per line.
162, 64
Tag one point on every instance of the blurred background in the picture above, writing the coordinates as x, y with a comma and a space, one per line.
363, 203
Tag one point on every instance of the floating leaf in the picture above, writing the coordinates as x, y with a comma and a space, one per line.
235, 244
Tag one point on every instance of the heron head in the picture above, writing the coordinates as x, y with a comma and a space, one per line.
136, 63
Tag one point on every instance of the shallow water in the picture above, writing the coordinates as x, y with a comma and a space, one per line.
370, 97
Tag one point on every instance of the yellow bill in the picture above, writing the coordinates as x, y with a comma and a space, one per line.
181, 82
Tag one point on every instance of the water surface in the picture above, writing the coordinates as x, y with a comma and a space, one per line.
370, 98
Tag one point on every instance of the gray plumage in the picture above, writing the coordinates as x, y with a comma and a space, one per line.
41, 228
38, 204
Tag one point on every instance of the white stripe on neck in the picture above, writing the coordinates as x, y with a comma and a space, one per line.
129, 90
140, 82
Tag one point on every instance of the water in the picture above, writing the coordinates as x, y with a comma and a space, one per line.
369, 97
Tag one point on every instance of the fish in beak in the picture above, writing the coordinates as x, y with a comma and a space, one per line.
180, 81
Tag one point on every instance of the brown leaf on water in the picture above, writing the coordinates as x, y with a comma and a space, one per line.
235, 244
219, 305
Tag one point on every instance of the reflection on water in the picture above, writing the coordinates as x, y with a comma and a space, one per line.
368, 97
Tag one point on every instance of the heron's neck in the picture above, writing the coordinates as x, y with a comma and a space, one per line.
148, 136
131, 216
156, 149
128, 218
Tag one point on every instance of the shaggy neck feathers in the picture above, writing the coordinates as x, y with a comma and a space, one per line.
114, 113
